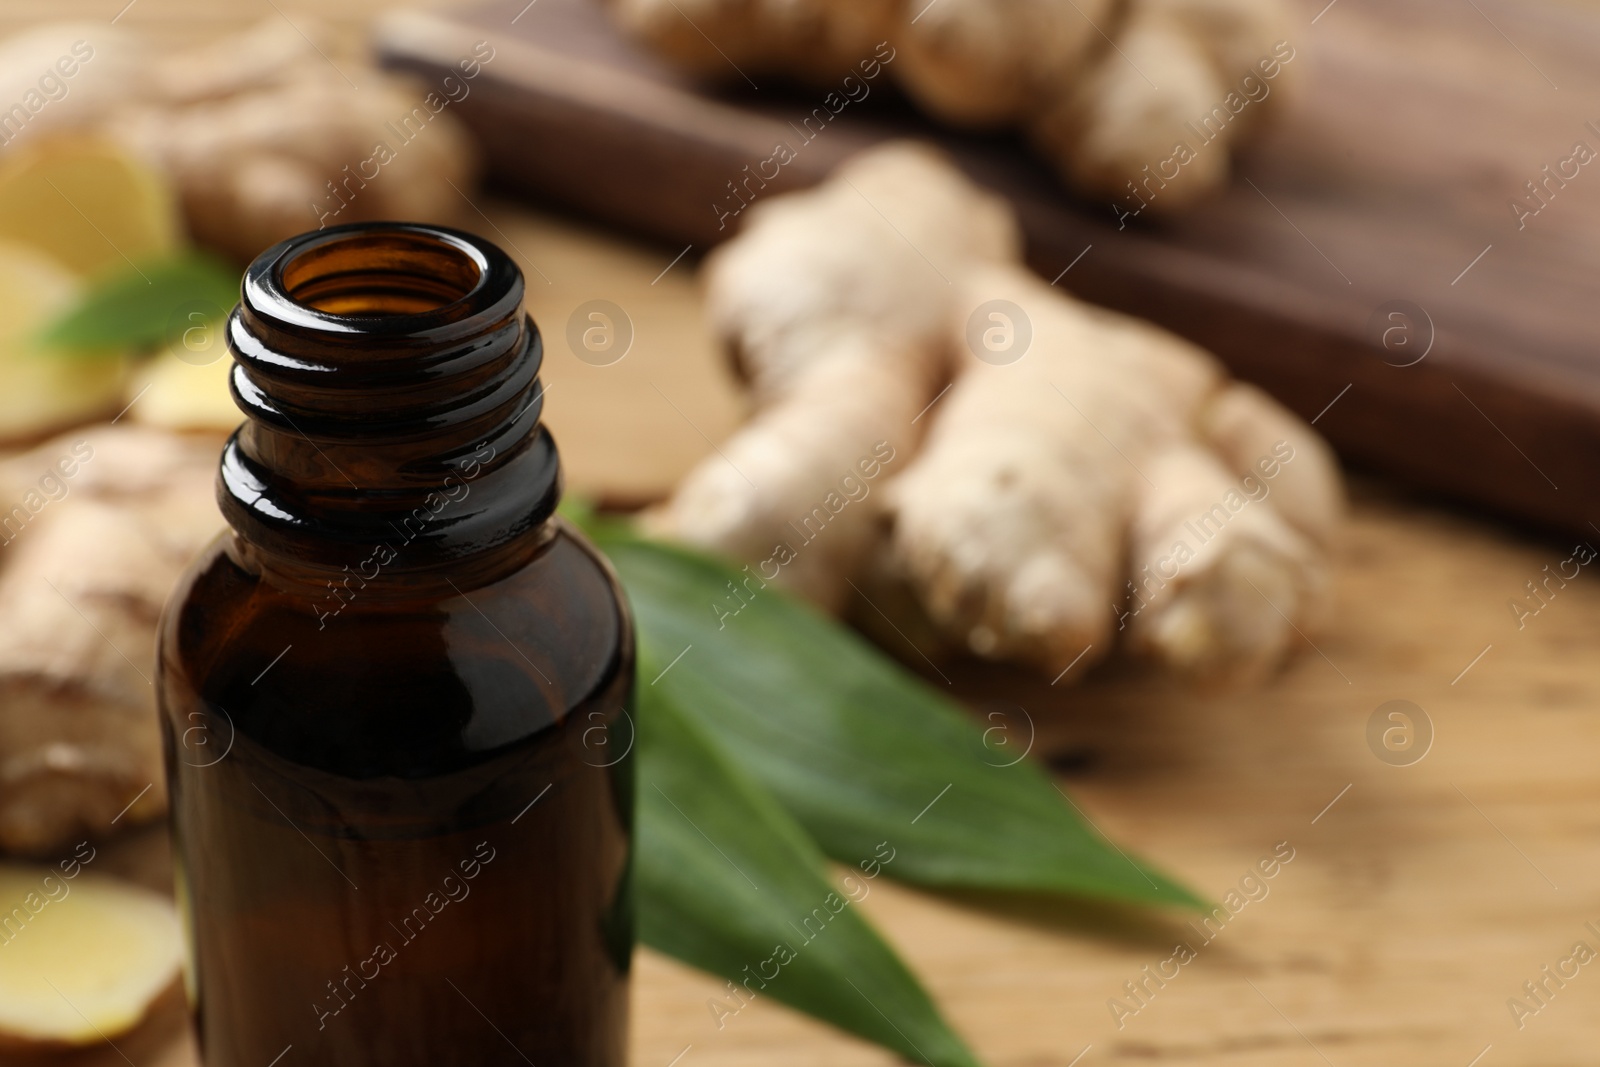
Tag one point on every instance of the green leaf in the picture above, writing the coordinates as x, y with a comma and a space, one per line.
859, 749
728, 882
145, 306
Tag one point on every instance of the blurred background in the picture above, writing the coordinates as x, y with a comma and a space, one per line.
1402, 254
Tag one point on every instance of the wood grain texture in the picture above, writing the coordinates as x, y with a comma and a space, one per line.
1388, 178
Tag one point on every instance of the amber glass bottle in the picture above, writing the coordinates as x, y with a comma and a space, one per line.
395, 696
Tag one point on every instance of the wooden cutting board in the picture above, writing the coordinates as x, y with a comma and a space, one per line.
1386, 188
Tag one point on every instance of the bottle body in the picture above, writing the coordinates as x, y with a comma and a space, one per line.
400, 763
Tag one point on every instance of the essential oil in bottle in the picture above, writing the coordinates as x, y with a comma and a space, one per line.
395, 696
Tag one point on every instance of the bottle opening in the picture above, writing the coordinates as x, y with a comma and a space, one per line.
379, 273
383, 366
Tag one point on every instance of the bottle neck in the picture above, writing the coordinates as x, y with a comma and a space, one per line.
391, 382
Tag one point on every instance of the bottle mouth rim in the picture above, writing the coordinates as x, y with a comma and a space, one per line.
395, 352
437, 281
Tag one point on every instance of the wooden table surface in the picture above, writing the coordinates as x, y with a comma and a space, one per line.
1420, 898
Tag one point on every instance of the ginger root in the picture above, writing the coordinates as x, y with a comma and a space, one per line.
1098, 475
813, 39
1042, 476
839, 329
1139, 100
95, 527
262, 135
289, 140
1012, 522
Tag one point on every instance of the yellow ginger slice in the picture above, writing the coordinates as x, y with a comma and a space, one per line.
184, 389
86, 203
82, 958
40, 389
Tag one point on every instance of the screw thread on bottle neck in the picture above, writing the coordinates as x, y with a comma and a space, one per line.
391, 381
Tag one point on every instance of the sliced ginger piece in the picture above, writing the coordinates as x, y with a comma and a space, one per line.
184, 390
86, 203
83, 958
41, 389
33, 289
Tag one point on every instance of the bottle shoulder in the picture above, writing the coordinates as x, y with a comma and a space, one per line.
378, 682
